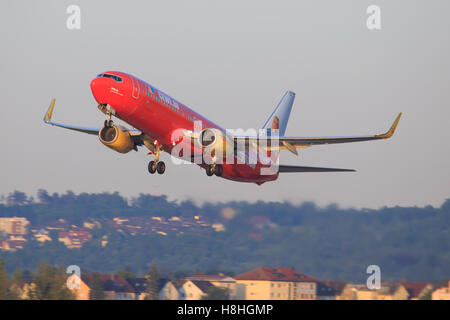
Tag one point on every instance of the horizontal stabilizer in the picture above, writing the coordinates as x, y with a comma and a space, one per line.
284, 168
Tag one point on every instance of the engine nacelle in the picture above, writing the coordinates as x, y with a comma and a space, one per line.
116, 138
215, 142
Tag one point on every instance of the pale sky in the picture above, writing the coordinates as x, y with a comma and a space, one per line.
232, 61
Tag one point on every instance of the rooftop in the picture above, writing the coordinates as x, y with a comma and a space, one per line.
275, 274
206, 277
204, 286
111, 282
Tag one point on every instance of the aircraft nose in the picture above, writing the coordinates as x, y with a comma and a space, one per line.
94, 84
98, 89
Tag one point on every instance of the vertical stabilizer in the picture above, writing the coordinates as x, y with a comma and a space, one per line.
280, 116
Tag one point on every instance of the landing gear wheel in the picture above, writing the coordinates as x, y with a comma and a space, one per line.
152, 167
209, 170
161, 167
219, 170
109, 123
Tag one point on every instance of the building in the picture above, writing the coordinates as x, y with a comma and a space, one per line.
14, 225
12, 232
16, 242
333, 290
4, 245
83, 290
74, 238
387, 291
441, 292
12, 243
417, 290
219, 280
275, 284
194, 290
115, 287
169, 291
140, 287
359, 292
42, 235
392, 291
59, 225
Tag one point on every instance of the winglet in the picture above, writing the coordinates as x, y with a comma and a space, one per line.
48, 115
391, 131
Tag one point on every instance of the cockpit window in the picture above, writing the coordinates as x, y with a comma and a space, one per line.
115, 78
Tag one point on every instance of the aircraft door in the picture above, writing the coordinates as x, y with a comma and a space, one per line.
135, 93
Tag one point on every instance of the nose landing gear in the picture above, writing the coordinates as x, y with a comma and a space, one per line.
108, 123
106, 109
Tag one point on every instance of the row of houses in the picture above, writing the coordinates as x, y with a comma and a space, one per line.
161, 225
262, 284
14, 233
14, 230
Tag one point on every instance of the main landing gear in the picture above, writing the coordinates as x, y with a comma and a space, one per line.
156, 165
216, 169
159, 167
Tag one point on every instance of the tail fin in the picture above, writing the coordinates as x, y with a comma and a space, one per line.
280, 116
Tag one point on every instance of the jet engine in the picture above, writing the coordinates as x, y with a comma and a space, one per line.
116, 138
215, 142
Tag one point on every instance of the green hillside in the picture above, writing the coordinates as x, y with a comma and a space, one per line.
327, 243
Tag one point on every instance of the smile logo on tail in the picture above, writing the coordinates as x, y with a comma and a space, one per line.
275, 123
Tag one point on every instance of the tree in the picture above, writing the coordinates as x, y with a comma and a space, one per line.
26, 276
44, 197
216, 293
17, 198
446, 206
16, 285
153, 277
96, 285
4, 282
17, 277
126, 273
50, 283
426, 295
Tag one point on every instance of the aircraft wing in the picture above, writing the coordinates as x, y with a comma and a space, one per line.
48, 120
293, 143
93, 131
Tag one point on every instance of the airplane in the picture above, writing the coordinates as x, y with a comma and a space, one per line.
155, 117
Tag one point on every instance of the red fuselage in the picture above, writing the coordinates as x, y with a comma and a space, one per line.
158, 115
